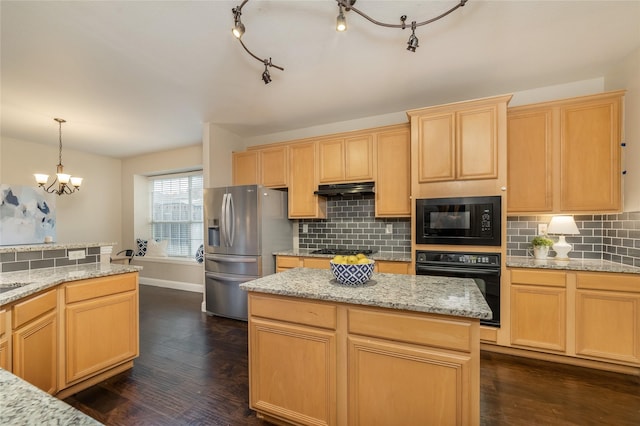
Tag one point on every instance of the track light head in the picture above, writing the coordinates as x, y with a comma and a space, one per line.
341, 21
266, 77
238, 26
413, 40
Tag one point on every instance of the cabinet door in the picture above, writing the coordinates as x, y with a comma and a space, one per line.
331, 166
477, 143
100, 333
316, 262
608, 325
399, 384
284, 263
393, 182
302, 202
4, 341
530, 161
436, 148
393, 267
358, 158
35, 352
298, 383
590, 156
246, 168
538, 317
275, 167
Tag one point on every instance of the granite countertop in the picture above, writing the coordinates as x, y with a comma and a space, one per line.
393, 257
439, 295
586, 265
32, 281
50, 246
24, 404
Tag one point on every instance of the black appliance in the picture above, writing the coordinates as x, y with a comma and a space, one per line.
340, 189
483, 268
459, 221
342, 252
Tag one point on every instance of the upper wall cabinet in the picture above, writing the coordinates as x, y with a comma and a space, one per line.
393, 169
458, 142
246, 167
274, 166
346, 159
303, 203
564, 156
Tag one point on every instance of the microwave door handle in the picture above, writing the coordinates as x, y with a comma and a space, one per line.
231, 220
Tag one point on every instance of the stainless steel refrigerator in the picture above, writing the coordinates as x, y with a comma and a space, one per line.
244, 225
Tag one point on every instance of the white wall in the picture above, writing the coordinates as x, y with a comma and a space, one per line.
90, 215
217, 146
626, 75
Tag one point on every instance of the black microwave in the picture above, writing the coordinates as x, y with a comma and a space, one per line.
459, 221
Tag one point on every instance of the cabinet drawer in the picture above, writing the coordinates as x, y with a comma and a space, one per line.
612, 282
287, 262
543, 278
316, 262
393, 267
417, 329
293, 310
99, 287
28, 310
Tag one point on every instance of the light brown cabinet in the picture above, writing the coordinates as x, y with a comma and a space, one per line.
393, 172
246, 168
366, 365
608, 317
538, 309
458, 142
101, 317
346, 159
303, 203
565, 156
4, 341
274, 166
35, 340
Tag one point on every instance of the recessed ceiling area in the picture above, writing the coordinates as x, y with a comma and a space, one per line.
133, 77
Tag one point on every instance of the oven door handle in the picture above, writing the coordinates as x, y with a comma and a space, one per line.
435, 269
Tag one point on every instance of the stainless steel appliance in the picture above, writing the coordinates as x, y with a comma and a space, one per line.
459, 221
244, 225
483, 268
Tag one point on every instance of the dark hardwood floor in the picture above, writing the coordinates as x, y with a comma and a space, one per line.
192, 370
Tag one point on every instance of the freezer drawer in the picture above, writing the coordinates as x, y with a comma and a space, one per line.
223, 296
238, 265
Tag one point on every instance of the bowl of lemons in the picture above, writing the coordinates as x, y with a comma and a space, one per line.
352, 270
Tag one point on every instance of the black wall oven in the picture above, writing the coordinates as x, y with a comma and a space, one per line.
459, 221
483, 268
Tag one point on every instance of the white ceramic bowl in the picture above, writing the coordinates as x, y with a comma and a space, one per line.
355, 274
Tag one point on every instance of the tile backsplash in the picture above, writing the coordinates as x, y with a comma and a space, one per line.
351, 224
614, 237
37, 259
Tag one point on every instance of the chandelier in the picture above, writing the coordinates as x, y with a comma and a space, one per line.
341, 25
67, 184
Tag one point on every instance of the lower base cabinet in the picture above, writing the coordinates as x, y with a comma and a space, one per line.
4, 341
383, 266
324, 363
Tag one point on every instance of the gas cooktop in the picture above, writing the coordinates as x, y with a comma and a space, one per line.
342, 252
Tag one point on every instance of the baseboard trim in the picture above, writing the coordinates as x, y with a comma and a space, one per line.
176, 285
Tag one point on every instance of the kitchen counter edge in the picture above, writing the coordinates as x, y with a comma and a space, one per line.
392, 257
585, 265
41, 279
25, 404
437, 295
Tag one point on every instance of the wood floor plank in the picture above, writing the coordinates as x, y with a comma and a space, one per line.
192, 370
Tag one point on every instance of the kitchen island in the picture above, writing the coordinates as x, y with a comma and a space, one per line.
400, 349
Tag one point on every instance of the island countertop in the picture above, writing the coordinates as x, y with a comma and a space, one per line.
19, 284
439, 295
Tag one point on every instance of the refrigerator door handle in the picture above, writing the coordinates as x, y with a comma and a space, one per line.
229, 259
223, 227
231, 225
228, 278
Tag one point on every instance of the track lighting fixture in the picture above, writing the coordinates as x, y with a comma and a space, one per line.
341, 21
341, 25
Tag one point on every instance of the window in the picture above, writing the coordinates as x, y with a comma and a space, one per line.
176, 212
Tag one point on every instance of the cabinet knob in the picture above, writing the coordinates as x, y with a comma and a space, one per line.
503, 188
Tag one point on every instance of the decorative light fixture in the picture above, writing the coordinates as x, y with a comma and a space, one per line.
561, 225
67, 184
341, 25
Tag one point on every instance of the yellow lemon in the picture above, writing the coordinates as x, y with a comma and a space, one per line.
352, 260
363, 261
361, 256
338, 259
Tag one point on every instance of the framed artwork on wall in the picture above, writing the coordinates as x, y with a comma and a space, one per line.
27, 215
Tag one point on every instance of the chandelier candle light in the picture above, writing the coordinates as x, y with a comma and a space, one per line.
561, 225
62, 178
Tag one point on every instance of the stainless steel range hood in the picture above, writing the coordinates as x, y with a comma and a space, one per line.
340, 189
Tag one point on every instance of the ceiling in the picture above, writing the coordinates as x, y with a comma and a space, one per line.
132, 77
